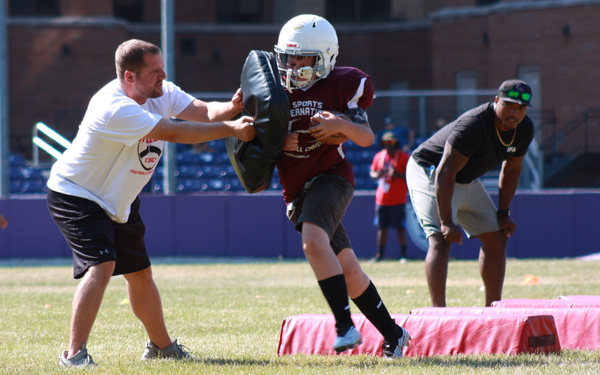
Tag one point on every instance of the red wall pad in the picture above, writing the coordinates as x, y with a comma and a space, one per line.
431, 334
547, 303
577, 328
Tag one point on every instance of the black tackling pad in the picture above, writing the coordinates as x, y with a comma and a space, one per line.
266, 100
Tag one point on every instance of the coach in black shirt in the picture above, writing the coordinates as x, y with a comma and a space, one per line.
443, 181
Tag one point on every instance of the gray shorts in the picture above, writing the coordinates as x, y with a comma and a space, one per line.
323, 203
472, 206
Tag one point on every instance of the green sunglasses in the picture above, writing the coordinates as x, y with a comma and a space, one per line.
514, 94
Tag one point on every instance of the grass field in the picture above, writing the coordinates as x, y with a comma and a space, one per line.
229, 314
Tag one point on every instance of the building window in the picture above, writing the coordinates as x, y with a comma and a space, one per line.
358, 11
131, 10
21, 8
466, 80
239, 11
187, 46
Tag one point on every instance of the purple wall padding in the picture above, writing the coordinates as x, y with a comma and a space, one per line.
551, 224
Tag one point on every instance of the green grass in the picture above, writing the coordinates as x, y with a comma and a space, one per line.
230, 314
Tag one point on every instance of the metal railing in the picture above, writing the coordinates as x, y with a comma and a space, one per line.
578, 136
39, 143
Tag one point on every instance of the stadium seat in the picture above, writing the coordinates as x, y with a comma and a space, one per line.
209, 170
16, 160
227, 170
187, 157
213, 184
232, 184
187, 171
432, 334
222, 157
189, 185
217, 145
15, 186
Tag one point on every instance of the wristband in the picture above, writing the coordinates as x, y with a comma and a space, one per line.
505, 212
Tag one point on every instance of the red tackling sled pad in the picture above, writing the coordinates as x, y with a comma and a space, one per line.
577, 328
581, 297
564, 303
431, 334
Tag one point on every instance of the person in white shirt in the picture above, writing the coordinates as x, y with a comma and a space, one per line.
94, 187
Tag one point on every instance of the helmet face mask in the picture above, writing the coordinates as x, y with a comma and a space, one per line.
306, 35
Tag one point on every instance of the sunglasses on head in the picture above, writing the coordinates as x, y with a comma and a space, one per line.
514, 94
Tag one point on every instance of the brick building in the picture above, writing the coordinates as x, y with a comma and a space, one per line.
62, 51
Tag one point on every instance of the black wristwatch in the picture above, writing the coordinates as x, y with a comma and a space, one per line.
504, 212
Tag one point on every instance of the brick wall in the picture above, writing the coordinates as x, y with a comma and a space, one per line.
56, 65
525, 36
54, 70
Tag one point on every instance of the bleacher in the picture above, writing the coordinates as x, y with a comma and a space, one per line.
26, 178
206, 170
211, 170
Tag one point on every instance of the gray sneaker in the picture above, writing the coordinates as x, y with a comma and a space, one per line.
172, 351
350, 340
393, 350
80, 359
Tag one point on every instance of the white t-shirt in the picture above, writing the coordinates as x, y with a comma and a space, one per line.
109, 161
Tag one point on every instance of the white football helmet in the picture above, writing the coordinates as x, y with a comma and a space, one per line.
306, 35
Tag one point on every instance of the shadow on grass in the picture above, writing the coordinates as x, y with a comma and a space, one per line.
236, 362
366, 361
475, 361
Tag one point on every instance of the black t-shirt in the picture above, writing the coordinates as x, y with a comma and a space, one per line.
474, 135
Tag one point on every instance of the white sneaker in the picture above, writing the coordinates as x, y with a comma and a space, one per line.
350, 340
174, 350
80, 359
393, 350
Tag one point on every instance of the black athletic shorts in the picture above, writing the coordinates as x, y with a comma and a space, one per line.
390, 216
323, 203
95, 238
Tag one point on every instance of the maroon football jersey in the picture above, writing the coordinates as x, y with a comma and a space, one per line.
343, 88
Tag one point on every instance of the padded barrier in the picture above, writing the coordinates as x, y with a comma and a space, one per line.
577, 327
564, 303
266, 100
580, 297
431, 334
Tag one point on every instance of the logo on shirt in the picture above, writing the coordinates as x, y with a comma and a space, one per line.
511, 149
149, 154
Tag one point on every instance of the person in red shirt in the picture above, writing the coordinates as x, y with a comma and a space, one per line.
388, 169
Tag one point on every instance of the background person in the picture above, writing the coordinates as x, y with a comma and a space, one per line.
389, 170
94, 187
443, 181
405, 136
318, 180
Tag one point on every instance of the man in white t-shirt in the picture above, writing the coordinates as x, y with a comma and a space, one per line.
94, 187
